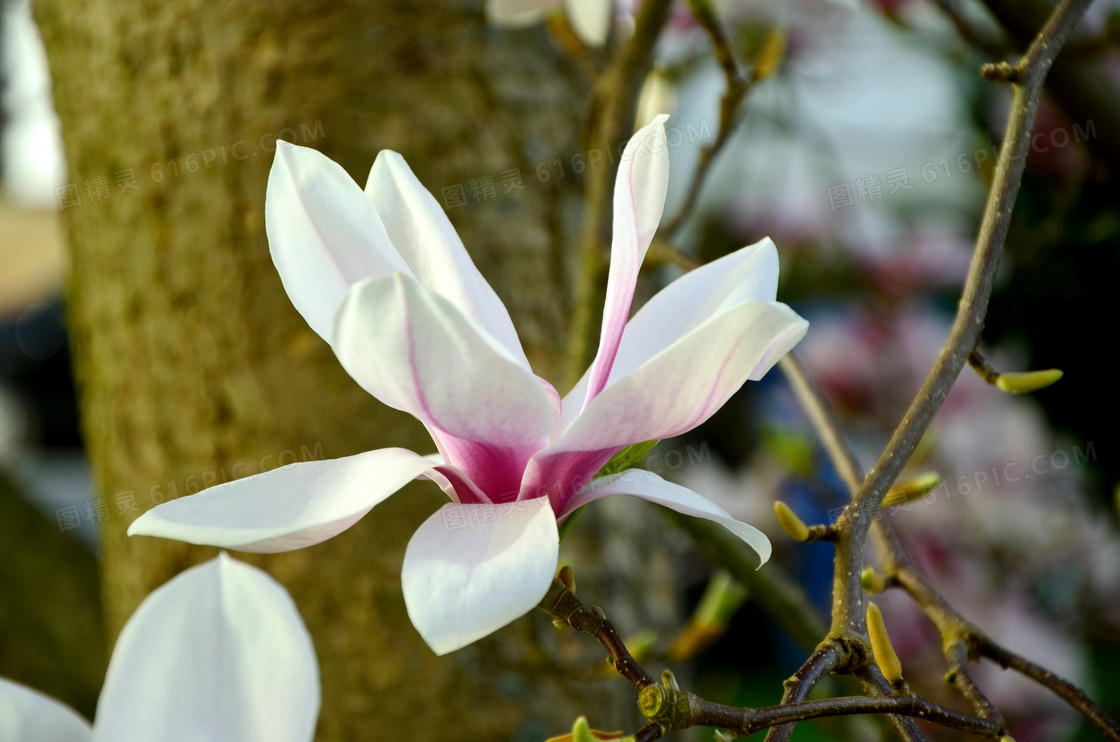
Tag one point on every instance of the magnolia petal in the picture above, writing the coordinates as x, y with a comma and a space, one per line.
671, 393
639, 198
748, 274
27, 715
471, 569
322, 232
517, 13
220, 654
297, 505
686, 383
414, 350
591, 19
652, 488
424, 237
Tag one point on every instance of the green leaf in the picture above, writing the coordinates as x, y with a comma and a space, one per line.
627, 458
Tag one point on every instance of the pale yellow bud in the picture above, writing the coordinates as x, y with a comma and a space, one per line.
771, 54
881, 646
912, 489
659, 95
870, 581
790, 523
1027, 381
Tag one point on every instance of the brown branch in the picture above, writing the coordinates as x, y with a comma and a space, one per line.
982, 368
669, 708
687, 706
823, 420
958, 655
1076, 83
964, 640
649, 733
821, 663
1061, 687
1032, 69
562, 604
845, 647
875, 684
738, 86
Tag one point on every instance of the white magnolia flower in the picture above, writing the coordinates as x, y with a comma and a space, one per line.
591, 19
383, 277
217, 654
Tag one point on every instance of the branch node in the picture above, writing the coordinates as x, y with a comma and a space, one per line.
665, 706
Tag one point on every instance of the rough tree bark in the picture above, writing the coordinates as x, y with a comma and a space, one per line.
192, 364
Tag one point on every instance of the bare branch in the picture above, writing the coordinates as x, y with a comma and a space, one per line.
749, 721
738, 85
823, 420
875, 684
958, 655
820, 663
1061, 687
562, 604
969, 320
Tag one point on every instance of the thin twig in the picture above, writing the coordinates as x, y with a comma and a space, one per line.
958, 655
738, 85
798, 687
957, 632
1061, 687
562, 604
875, 684
749, 721
669, 708
982, 368
965, 333
823, 420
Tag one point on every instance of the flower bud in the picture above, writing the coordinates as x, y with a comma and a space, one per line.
771, 54
1027, 381
912, 489
568, 577
791, 524
582, 732
870, 581
881, 646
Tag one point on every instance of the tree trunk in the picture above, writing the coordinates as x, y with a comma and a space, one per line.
192, 364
